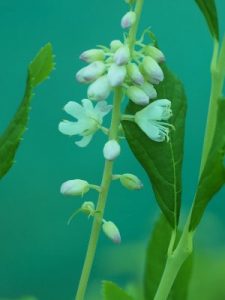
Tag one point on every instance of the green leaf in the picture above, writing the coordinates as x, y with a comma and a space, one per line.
38, 71
155, 263
112, 292
162, 161
213, 175
208, 8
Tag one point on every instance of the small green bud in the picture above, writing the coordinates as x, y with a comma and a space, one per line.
131, 182
155, 53
111, 231
88, 208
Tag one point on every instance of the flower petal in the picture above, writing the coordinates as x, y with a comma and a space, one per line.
102, 108
70, 128
84, 141
87, 104
74, 109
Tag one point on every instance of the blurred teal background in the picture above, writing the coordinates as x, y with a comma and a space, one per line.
39, 254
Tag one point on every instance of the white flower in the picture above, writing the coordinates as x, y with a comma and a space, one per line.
137, 95
152, 70
75, 187
111, 150
116, 75
151, 119
111, 231
91, 72
92, 55
135, 74
149, 89
89, 119
155, 53
128, 19
100, 89
115, 45
122, 56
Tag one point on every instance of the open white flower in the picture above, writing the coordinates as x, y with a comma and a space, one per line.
89, 119
151, 120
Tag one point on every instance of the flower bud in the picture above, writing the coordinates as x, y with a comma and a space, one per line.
149, 89
92, 55
155, 53
100, 89
128, 19
131, 182
115, 45
152, 70
122, 56
137, 95
130, 1
75, 187
88, 208
111, 150
111, 231
135, 74
91, 72
116, 75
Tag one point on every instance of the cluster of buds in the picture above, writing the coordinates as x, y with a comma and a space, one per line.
134, 66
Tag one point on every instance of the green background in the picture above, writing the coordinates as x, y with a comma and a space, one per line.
39, 254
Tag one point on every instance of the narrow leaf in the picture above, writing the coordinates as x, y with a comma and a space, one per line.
213, 175
163, 161
208, 9
112, 292
10, 139
155, 263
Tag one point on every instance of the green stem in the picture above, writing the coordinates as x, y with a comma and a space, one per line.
216, 92
107, 174
106, 180
174, 262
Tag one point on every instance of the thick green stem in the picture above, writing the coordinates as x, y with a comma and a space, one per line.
106, 180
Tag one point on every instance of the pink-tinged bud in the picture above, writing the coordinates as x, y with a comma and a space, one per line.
111, 150
155, 53
100, 89
135, 74
149, 89
111, 231
91, 72
128, 19
115, 45
92, 55
122, 56
131, 182
116, 75
75, 187
152, 70
137, 95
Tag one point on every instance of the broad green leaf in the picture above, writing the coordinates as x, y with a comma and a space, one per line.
163, 161
111, 291
213, 175
208, 8
155, 263
38, 71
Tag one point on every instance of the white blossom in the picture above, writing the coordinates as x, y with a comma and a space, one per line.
155, 53
89, 119
128, 19
91, 72
111, 231
152, 70
92, 55
116, 75
151, 119
115, 45
122, 55
75, 187
111, 150
137, 95
100, 89
135, 74
149, 89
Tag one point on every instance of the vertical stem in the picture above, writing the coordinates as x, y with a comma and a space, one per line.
106, 180
107, 174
